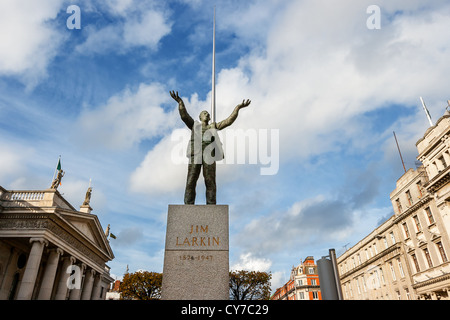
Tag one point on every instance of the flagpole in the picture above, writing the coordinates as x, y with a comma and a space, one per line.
213, 90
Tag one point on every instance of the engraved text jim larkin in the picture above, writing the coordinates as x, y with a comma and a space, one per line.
199, 240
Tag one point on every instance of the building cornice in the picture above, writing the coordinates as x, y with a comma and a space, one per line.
438, 181
373, 259
422, 201
435, 141
431, 281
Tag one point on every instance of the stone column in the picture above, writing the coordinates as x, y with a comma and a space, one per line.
97, 288
61, 291
49, 275
75, 293
88, 285
32, 268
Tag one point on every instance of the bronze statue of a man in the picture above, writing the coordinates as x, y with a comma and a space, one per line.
200, 153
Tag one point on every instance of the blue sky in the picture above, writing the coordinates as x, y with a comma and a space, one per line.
332, 88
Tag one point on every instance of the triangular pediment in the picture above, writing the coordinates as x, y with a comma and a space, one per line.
85, 228
88, 227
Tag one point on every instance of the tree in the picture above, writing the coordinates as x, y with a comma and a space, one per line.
141, 285
250, 285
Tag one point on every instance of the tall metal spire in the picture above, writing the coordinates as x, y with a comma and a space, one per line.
427, 112
213, 90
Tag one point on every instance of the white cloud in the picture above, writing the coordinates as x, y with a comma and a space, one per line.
316, 221
12, 161
322, 68
142, 24
127, 118
163, 169
146, 30
250, 263
29, 41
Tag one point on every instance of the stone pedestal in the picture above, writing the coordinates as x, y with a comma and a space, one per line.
196, 265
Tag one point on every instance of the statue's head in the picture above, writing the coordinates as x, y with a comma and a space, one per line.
204, 116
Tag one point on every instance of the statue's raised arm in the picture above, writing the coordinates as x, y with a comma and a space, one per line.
229, 121
187, 119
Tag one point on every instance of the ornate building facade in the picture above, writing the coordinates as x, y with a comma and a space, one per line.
303, 283
49, 250
407, 257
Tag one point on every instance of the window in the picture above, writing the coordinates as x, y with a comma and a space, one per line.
392, 237
408, 296
311, 270
301, 295
382, 276
375, 248
313, 282
391, 266
300, 282
429, 215
400, 267
427, 255
405, 229
399, 297
408, 196
441, 251
419, 188
315, 295
416, 263
359, 258
417, 223
399, 205
385, 243
357, 286
376, 279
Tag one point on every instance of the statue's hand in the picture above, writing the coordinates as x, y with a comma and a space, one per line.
244, 104
175, 96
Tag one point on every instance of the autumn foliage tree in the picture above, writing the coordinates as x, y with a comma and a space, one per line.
250, 285
141, 285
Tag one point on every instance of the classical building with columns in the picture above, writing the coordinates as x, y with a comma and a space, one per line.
407, 256
49, 250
